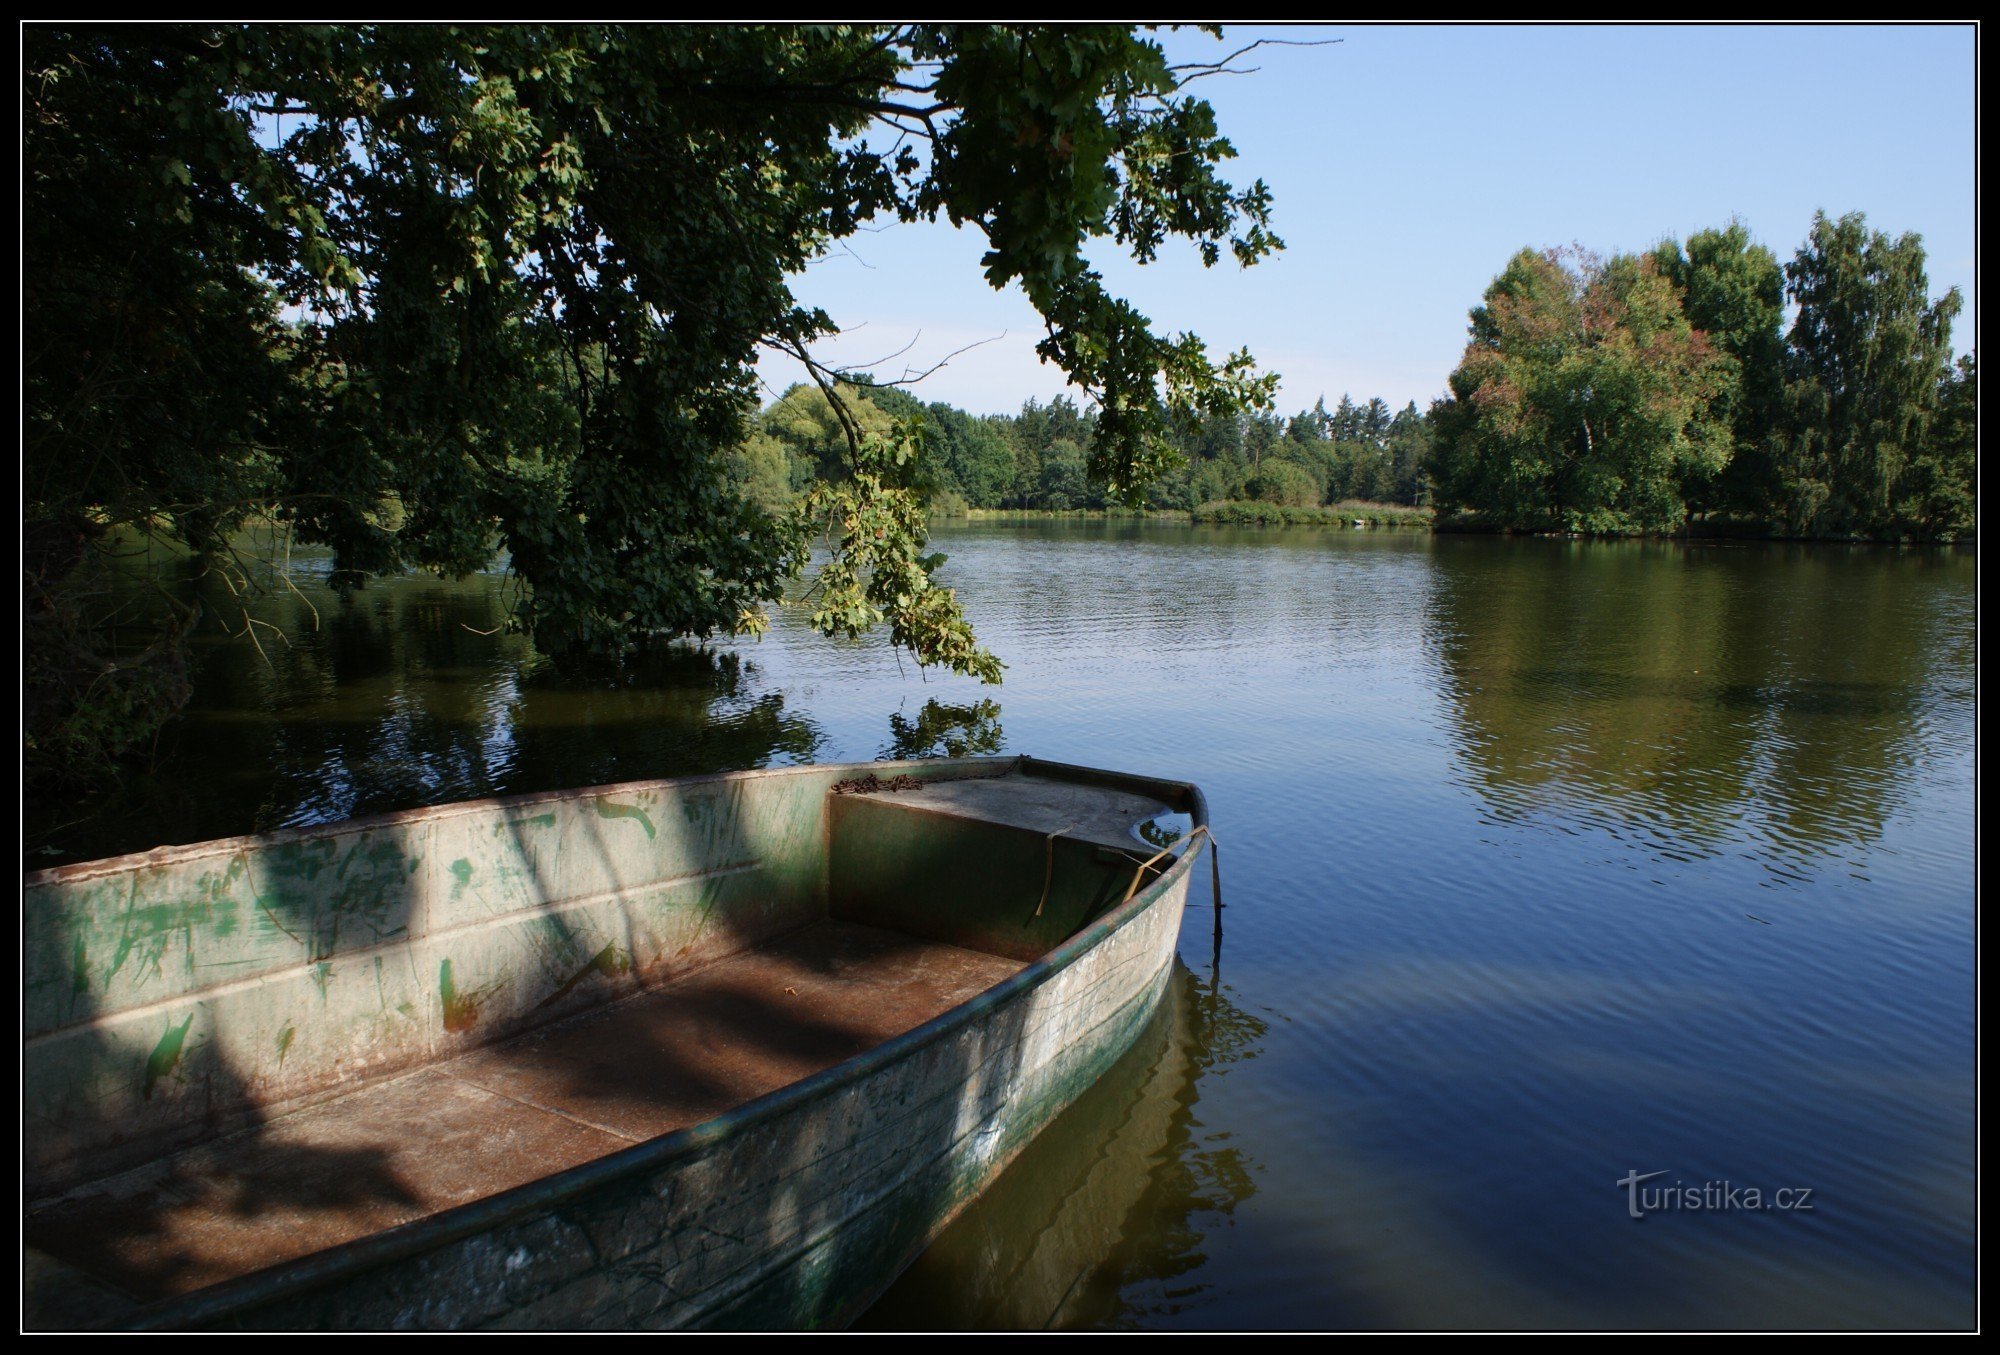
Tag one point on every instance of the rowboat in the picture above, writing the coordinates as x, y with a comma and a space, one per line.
722, 1051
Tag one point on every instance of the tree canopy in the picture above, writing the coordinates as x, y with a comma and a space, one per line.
421, 292
1585, 401
1869, 358
1637, 393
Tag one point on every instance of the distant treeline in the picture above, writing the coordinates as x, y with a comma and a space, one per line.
1650, 393
1036, 459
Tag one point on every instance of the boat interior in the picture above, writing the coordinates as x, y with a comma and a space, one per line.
743, 973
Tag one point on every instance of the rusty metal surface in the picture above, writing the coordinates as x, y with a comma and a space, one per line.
397, 1151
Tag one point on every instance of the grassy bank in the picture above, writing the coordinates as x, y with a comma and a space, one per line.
1243, 513
1065, 515
1226, 512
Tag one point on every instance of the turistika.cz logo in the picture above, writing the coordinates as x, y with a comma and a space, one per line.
1709, 1197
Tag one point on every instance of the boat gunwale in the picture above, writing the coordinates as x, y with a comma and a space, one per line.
544, 1194
180, 852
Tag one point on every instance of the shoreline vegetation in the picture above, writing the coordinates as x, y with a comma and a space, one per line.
1227, 513
1373, 515
1652, 395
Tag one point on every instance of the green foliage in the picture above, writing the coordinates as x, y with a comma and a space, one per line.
421, 291
1083, 133
1239, 513
1732, 290
1063, 481
1409, 457
802, 439
1869, 353
89, 694
763, 469
973, 456
1284, 482
878, 568
1585, 401
1937, 495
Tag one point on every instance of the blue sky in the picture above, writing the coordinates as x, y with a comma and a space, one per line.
1409, 162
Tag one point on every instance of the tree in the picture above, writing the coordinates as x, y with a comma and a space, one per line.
811, 423
1869, 353
1732, 290
1409, 456
1283, 481
972, 455
416, 292
1937, 495
1063, 482
1375, 420
1584, 401
1345, 425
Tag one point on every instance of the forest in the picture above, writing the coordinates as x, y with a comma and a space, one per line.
1655, 393
1038, 459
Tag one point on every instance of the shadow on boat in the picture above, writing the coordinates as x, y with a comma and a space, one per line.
1115, 1197
422, 1213
131, 1061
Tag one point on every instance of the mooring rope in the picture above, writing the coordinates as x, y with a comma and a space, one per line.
1049, 865
1214, 862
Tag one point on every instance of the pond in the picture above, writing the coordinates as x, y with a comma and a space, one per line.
1582, 897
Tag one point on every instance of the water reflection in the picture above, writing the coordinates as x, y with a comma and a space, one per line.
1689, 699
1548, 861
1104, 1219
407, 693
942, 729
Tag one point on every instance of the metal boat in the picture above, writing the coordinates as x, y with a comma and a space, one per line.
720, 1051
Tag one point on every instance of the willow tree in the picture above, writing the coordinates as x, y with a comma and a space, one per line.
1585, 401
418, 292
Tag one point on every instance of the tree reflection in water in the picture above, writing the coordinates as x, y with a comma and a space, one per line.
408, 693
942, 729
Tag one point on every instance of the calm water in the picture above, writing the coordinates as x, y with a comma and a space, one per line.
1547, 863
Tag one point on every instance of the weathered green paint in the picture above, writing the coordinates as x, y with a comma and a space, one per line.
246, 936
608, 809
166, 1055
